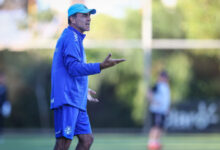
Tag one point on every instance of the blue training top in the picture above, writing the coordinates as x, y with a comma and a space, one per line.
69, 76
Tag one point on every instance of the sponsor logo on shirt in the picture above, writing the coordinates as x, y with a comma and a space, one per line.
58, 132
52, 100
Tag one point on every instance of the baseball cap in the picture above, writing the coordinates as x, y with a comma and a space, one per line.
79, 8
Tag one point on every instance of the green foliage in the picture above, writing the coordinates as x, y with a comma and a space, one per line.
45, 15
206, 74
167, 22
190, 19
132, 24
122, 85
201, 18
179, 69
23, 70
105, 27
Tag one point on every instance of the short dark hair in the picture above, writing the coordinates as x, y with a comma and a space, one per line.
164, 74
69, 21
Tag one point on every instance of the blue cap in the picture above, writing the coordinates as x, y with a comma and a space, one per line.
79, 8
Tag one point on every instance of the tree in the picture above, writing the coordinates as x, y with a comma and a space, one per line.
201, 18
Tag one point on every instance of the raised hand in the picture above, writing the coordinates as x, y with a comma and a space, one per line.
108, 62
89, 96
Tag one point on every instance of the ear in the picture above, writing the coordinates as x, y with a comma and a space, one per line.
73, 20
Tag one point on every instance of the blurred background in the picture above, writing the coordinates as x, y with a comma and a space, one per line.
180, 36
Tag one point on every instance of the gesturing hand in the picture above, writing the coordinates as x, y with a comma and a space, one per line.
108, 62
89, 96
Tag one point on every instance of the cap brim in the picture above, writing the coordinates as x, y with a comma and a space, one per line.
91, 11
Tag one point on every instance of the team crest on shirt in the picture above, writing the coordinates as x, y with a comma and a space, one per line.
68, 130
75, 36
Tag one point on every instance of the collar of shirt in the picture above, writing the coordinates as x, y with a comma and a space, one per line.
82, 36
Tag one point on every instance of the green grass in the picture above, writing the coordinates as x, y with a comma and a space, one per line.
115, 142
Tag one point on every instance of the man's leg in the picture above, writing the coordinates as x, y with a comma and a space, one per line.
83, 131
85, 141
64, 121
62, 144
156, 133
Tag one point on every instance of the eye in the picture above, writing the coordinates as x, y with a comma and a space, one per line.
86, 15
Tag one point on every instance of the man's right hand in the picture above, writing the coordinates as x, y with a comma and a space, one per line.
108, 62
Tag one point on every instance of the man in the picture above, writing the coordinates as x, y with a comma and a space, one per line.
70, 81
3, 97
159, 98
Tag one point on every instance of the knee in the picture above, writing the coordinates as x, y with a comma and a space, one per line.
86, 141
62, 144
89, 140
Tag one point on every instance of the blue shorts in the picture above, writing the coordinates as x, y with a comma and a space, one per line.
70, 121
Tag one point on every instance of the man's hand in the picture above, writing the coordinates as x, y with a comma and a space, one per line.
108, 62
89, 96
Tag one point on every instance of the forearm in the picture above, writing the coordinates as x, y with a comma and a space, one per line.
76, 68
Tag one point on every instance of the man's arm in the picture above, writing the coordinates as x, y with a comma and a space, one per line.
73, 62
77, 68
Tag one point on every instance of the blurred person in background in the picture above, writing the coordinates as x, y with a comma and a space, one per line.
69, 93
159, 100
4, 104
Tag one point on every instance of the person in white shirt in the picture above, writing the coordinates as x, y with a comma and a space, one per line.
159, 100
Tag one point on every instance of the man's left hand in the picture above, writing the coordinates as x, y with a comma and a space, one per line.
89, 96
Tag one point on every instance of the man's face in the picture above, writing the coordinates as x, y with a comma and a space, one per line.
82, 22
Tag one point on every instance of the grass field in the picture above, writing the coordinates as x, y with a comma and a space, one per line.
114, 142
